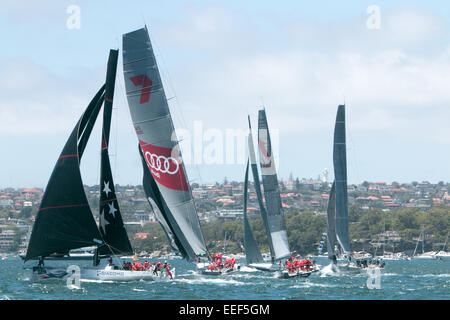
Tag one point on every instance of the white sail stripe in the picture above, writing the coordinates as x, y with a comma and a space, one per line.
152, 119
139, 91
134, 61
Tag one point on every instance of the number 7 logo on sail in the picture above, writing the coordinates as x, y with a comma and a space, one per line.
146, 83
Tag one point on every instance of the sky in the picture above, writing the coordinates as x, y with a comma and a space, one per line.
223, 60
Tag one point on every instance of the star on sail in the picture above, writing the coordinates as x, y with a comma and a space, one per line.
106, 188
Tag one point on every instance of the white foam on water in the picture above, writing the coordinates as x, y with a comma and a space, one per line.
139, 290
429, 275
248, 269
251, 275
309, 284
96, 281
329, 270
218, 281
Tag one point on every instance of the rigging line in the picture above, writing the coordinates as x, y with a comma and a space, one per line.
115, 111
180, 116
354, 153
122, 89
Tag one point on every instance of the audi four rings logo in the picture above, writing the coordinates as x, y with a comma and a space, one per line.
161, 163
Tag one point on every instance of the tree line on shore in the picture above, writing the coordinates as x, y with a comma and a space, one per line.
305, 230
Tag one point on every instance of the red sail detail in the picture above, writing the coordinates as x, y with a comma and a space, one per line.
266, 161
104, 146
146, 83
165, 166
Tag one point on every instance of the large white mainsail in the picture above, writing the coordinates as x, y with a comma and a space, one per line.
155, 130
275, 215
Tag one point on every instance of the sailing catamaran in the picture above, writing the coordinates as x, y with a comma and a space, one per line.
165, 180
65, 221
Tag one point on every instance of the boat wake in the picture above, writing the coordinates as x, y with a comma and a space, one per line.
309, 284
97, 281
443, 275
247, 269
216, 281
329, 270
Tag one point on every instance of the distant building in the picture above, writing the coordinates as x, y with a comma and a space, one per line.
141, 235
6, 238
144, 217
228, 215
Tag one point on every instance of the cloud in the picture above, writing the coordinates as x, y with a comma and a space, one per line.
35, 101
387, 83
222, 64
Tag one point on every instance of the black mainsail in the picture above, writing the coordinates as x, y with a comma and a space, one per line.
65, 220
252, 252
155, 131
275, 216
111, 225
340, 175
331, 223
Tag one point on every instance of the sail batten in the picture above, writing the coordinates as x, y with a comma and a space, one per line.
156, 135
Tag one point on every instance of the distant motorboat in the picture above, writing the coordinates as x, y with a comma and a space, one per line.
86, 253
390, 256
443, 255
426, 255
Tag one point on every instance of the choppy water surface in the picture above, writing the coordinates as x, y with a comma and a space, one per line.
417, 279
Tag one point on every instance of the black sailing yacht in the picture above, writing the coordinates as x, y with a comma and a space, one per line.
65, 220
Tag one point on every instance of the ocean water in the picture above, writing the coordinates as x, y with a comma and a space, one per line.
417, 279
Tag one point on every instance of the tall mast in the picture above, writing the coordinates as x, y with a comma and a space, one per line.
158, 141
111, 225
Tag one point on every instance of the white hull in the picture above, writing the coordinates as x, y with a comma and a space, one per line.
102, 274
265, 267
354, 268
443, 256
123, 275
348, 267
425, 257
